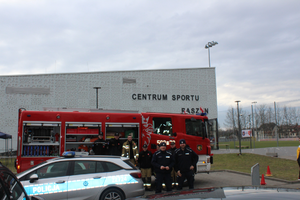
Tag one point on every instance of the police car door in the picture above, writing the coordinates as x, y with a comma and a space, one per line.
52, 182
87, 180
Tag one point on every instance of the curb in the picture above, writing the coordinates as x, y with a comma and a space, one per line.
247, 174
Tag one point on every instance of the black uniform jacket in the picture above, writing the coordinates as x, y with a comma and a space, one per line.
162, 158
99, 147
115, 147
172, 151
184, 159
145, 158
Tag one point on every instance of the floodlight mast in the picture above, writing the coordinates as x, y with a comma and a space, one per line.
207, 46
239, 125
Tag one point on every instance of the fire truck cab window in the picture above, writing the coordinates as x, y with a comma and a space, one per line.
194, 127
162, 126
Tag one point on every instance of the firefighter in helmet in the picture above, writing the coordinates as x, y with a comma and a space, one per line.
130, 150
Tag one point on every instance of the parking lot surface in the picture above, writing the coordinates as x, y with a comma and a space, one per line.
228, 179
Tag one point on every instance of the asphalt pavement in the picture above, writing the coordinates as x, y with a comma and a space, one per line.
231, 179
228, 178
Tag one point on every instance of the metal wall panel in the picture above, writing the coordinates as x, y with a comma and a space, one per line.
119, 90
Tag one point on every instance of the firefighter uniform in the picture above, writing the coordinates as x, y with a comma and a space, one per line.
184, 159
99, 147
173, 172
298, 159
145, 158
163, 161
115, 146
130, 151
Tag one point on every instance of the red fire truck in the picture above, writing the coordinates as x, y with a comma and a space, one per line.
47, 134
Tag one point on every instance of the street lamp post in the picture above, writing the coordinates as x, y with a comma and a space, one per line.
250, 128
207, 46
239, 124
97, 95
253, 127
255, 102
276, 130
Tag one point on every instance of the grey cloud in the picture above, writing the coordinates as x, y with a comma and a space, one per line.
258, 40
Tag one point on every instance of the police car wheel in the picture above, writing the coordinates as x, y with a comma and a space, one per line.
113, 193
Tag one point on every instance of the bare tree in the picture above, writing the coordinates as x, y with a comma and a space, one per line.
244, 118
262, 114
270, 115
230, 118
288, 115
264, 117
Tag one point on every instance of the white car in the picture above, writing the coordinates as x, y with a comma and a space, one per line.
89, 177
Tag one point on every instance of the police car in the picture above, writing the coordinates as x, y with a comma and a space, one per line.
87, 177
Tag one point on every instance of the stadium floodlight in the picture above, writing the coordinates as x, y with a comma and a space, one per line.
207, 46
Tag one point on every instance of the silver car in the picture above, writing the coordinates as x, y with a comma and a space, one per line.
89, 177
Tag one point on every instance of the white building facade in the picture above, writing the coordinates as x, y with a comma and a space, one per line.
169, 90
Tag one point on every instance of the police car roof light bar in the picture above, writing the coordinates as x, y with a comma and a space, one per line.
68, 154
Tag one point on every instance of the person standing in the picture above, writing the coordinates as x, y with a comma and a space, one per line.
115, 145
173, 172
99, 146
163, 161
145, 158
157, 147
130, 150
185, 162
298, 159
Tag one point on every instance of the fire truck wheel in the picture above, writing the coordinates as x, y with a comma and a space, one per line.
112, 193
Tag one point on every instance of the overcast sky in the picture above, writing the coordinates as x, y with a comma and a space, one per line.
257, 58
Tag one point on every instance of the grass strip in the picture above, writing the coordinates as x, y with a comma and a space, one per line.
280, 168
9, 163
260, 144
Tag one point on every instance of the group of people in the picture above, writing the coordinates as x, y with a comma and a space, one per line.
115, 147
171, 167
109, 147
174, 164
